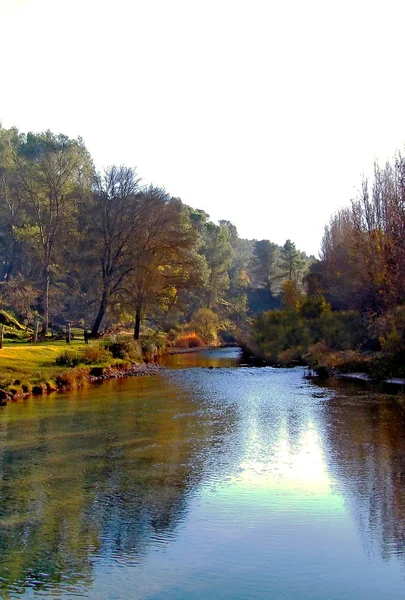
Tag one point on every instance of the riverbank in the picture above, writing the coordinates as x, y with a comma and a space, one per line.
324, 362
41, 368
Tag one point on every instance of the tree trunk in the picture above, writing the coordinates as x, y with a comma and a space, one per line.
137, 327
9, 270
101, 313
36, 331
46, 301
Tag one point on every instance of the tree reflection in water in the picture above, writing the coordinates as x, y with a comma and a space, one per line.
81, 479
365, 435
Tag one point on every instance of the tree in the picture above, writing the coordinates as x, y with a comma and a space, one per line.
162, 255
12, 213
49, 170
217, 250
264, 264
292, 297
235, 302
292, 263
116, 217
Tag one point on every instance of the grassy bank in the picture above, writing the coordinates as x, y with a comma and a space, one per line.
44, 367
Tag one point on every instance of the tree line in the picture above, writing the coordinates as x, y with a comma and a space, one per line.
102, 248
352, 316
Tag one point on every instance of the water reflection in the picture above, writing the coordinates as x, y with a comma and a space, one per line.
97, 475
220, 483
210, 358
366, 449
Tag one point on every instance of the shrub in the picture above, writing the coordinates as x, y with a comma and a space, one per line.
68, 358
95, 353
26, 387
73, 378
15, 390
38, 389
343, 330
124, 349
290, 357
51, 385
314, 306
206, 324
149, 349
188, 340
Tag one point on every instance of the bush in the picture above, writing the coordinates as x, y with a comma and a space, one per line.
15, 390
149, 349
95, 353
51, 385
314, 306
280, 330
73, 378
38, 389
68, 358
343, 330
206, 324
290, 357
124, 349
188, 340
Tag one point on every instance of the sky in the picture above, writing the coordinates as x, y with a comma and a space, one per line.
264, 113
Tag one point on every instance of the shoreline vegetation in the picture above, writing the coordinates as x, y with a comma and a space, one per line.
52, 365
45, 367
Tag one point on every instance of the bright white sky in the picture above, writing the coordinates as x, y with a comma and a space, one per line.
264, 113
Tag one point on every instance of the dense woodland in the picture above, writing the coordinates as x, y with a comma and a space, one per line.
102, 250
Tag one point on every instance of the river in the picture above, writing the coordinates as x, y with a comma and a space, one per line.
209, 481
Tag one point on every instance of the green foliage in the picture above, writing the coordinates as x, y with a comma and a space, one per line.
292, 264
390, 330
281, 330
264, 264
68, 358
89, 355
315, 306
149, 349
342, 330
206, 324
124, 349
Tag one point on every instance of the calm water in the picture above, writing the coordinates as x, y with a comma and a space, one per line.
223, 483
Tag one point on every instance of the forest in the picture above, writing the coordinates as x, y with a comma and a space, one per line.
101, 250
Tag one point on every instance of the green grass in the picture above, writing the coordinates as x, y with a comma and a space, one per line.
31, 362
51, 364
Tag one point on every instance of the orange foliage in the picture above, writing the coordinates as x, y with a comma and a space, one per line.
188, 340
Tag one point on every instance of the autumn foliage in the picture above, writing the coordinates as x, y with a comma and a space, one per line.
188, 340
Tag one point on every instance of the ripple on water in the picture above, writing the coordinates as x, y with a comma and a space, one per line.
204, 483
